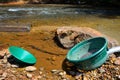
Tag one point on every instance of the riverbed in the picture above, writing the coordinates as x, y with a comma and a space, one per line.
44, 19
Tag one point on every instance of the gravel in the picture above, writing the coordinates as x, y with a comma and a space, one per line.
109, 70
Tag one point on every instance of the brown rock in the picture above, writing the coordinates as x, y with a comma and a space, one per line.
69, 36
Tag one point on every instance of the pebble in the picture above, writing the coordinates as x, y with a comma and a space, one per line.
4, 61
85, 78
61, 74
2, 78
13, 71
39, 77
14, 66
41, 68
2, 54
8, 55
77, 77
64, 73
101, 70
55, 71
112, 60
116, 68
29, 75
117, 61
8, 65
40, 72
1, 72
30, 68
4, 75
53, 58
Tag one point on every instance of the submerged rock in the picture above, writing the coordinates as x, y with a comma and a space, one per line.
69, 36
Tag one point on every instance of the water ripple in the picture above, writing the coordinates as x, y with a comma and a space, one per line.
17, 12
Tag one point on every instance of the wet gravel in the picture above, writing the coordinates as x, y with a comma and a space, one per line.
110, 70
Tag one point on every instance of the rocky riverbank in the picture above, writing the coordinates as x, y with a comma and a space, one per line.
14, 71
9, 71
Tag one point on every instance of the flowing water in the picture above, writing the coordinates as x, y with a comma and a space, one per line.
44, 19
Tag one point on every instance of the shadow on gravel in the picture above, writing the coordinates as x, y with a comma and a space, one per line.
70, 69
12, 60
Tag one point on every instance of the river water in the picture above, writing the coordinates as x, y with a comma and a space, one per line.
106, 21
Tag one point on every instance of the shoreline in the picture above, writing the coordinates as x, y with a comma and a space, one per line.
19, 3
13, 3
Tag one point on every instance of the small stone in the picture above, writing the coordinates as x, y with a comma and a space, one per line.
4, 61
29, 75
40, 72
1, 72
54, 70
39, 77
117, 61
8, 65
112, 56
41, 68
2, 78
30, 68
53, 58
77, 77
2, 54
61, 74
6, 51
116, 68
112, 59
14, 66
4, 75
85, 78
101, 70
8, 55
13, 71
64, 73
21, 76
